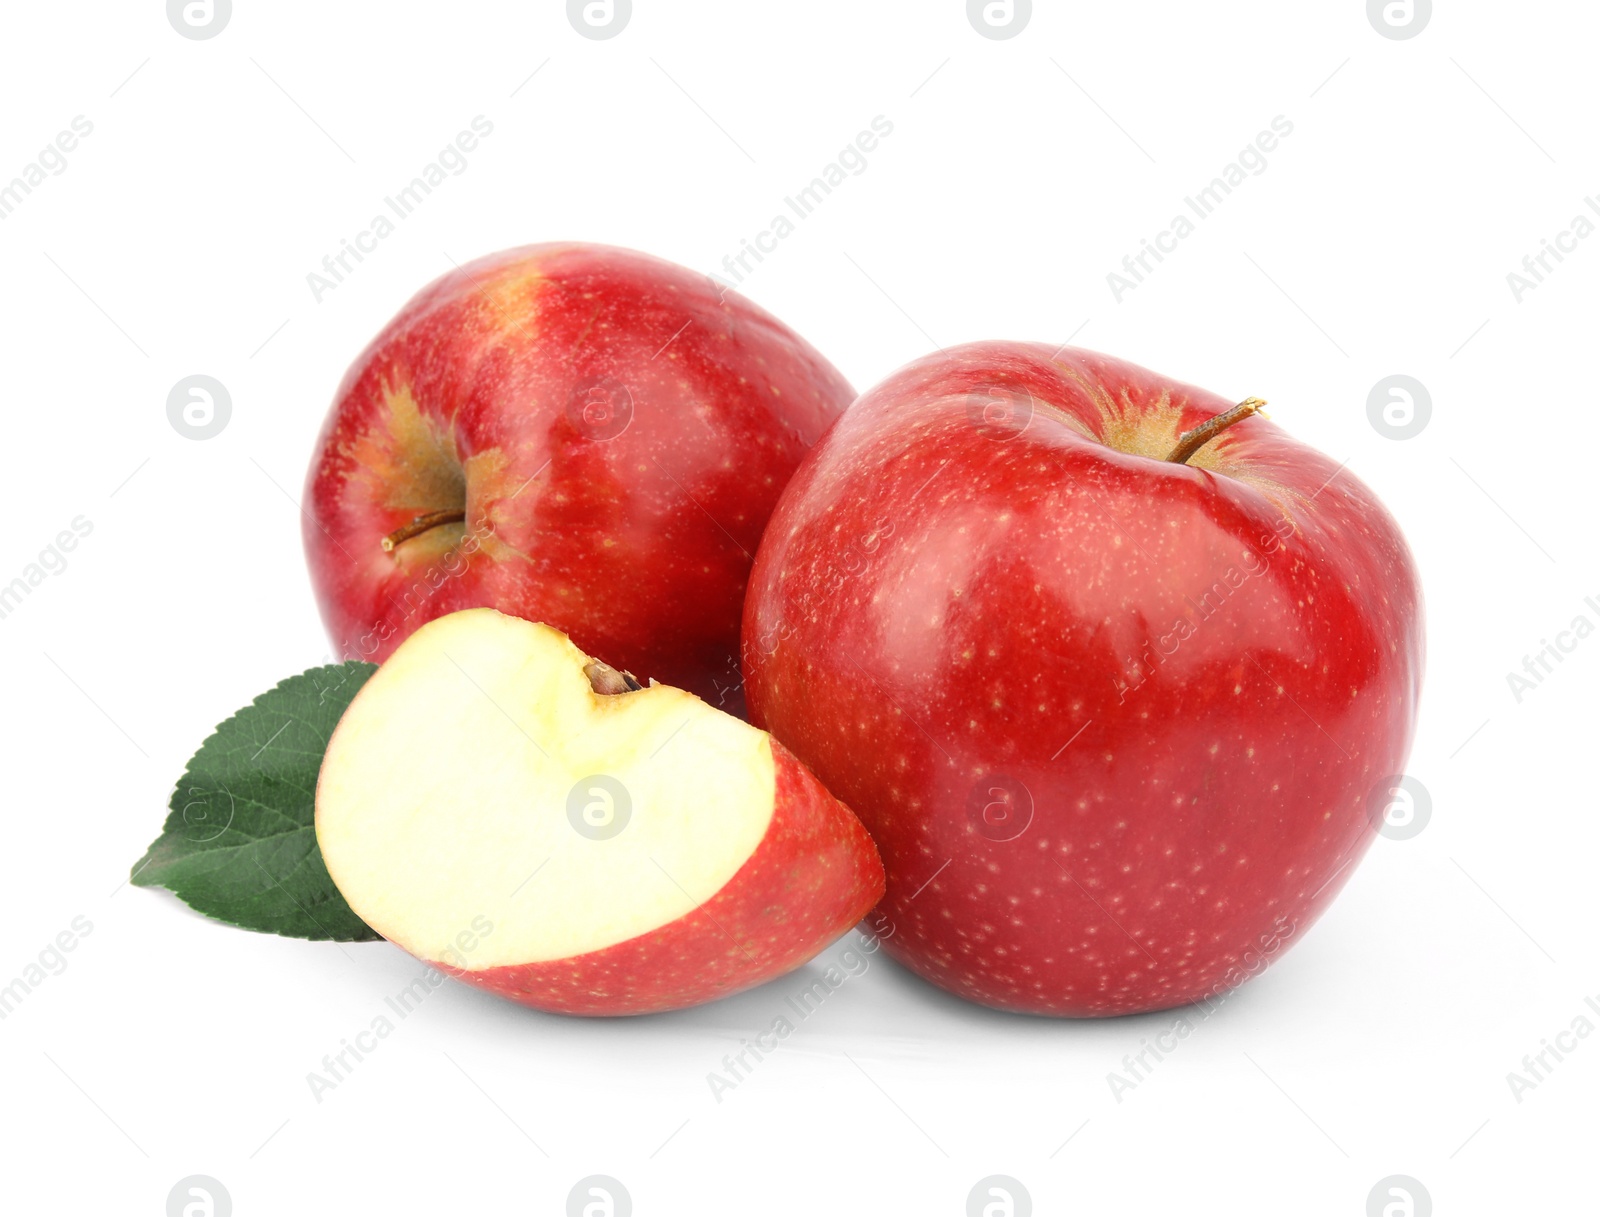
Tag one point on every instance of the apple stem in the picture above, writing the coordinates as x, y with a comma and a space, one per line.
606, 680
421, 525
1193, 440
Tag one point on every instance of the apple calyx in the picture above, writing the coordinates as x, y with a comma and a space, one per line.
1196, 438
421, 525
608, 681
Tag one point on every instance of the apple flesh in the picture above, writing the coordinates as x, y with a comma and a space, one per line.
536, 823
570, 433
1119, 724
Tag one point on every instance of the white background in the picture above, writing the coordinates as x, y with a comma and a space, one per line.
1019, 173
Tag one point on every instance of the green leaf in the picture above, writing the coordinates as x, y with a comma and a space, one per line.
240, 844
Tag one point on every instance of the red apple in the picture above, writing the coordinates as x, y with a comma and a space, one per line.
570, 433
536, 823
1119, 723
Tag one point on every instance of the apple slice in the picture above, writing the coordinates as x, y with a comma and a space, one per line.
536, 823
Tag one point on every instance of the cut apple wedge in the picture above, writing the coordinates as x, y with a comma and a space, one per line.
534, 822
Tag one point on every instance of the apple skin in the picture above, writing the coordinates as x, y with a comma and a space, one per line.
814, 875
616, 430
1116, 724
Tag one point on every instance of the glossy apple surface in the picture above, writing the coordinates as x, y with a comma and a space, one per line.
535, 823
597, 438
1119, 725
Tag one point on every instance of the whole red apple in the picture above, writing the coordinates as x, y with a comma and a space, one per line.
569, 433
1117, 689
